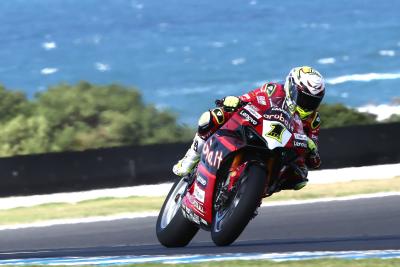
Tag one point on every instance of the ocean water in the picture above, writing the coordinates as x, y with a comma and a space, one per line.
184, 54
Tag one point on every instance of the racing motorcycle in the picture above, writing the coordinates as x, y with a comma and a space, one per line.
240, 164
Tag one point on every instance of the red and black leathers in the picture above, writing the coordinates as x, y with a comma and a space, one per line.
270, 94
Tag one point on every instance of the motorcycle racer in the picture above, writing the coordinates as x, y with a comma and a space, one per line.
302, 92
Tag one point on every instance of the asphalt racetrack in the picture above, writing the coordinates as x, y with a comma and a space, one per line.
361, 224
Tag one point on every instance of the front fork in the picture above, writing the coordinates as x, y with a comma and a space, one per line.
228, 187
235, 172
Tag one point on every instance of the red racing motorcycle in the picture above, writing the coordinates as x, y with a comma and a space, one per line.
240, 164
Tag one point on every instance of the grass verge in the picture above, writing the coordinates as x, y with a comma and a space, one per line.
112, 206
339, 189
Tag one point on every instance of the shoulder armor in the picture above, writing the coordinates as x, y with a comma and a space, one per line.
316, 121
269, 88
218, 115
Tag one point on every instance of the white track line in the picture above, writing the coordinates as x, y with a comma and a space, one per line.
316, 177
198, 258
327, 199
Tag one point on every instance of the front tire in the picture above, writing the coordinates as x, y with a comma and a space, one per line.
230, 221
172, 228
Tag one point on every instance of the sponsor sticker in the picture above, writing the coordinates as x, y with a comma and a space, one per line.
302, 137
281, 110
248, 117
252, 111
213, 158
261, 100
276, 132
201, 180
198, 206
300, 144
281, 117
199, 193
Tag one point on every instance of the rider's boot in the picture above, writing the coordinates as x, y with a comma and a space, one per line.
296, 178
191, 158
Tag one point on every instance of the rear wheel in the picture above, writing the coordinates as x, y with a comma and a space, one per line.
230, 219
172, 228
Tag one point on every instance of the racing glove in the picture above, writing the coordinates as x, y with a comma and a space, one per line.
313, 160
230, 103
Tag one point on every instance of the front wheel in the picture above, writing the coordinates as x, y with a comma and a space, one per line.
172, 228
230, 220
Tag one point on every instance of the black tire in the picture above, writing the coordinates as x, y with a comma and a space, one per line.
226, 229
178, 231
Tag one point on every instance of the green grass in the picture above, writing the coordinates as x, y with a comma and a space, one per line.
112, 206
88, 208
339, 189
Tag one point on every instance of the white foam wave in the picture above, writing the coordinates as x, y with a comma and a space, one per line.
218, 44
316, 25
49, 45
387, 53
238, 61
139, 6
229, 88
48, 71
102, 66
327, 60
184, 91
366, 77
383, 111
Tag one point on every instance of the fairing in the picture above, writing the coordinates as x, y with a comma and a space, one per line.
275, 126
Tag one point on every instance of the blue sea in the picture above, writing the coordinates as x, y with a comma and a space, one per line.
184, 54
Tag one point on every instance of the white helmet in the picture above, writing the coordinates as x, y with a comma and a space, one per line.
305, 86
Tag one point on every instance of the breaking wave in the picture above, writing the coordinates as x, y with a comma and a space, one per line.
366, 77
234, 88
383, 111
387, 53
49, 45
48, 71
328, 60
102, 67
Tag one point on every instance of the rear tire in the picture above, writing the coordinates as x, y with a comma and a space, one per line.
172, 228
230, 221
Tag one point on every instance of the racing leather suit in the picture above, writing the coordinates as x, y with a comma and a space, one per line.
272, 94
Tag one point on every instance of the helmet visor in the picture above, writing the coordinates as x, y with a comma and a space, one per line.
293, 91
307, 101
